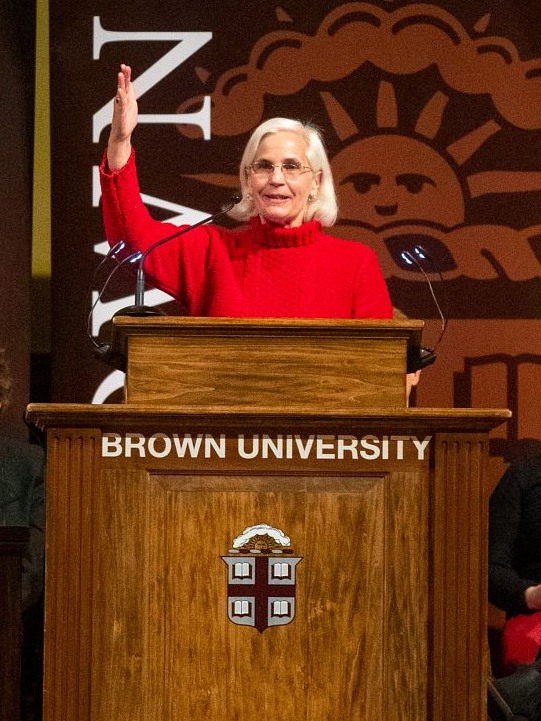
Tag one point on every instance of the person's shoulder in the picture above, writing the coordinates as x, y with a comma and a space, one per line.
523, 473
531, 464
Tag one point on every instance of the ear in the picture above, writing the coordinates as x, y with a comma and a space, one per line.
248, 180
316, 182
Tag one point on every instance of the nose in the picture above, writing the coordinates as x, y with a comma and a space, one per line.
273, 178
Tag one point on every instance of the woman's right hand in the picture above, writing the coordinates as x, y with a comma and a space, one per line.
124, 120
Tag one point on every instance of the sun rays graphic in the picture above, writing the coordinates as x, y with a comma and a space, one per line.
401, 187
395, 182
404, 178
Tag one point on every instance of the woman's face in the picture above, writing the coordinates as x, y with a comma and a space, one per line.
278, 199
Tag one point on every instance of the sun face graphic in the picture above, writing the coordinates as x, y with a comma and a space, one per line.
395, 181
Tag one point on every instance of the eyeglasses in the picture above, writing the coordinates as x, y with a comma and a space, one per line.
290, 169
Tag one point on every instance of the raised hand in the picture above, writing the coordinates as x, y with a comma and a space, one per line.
124, 120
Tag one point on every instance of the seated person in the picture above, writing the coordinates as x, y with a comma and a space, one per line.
515, 560
22, 503
22, 496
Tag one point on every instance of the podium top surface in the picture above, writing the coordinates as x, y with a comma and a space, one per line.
86, 415
173, 325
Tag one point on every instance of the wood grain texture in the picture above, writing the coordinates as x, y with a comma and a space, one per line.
391, 590
72, 470
458, 685
164, 626
249, 363
284, 418
329, 374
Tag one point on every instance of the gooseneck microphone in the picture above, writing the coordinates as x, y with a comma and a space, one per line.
139, 309
101, 349
420, 358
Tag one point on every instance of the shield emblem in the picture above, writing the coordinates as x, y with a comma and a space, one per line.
261, 578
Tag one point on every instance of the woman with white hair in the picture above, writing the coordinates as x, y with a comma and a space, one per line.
279, 263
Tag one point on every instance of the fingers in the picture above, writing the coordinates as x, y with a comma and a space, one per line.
124, 118
123, 82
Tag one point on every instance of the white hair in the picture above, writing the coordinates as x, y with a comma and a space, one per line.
324, 208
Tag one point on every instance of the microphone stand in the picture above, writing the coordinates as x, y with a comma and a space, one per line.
139, 309
419, 358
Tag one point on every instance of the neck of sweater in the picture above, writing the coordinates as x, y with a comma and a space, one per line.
275, 235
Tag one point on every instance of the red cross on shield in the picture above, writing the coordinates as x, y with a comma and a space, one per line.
261, 590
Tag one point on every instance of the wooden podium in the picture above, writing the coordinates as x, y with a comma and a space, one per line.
365, 600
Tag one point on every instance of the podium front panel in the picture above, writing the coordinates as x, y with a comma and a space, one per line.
249, 364
228, 373
387, 530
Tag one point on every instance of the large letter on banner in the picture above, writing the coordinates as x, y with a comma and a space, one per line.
187, 44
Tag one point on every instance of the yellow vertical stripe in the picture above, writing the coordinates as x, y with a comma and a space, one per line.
41, 226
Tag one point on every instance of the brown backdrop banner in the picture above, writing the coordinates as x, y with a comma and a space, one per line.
432, 119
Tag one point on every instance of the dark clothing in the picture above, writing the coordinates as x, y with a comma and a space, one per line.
515, 536
22, 503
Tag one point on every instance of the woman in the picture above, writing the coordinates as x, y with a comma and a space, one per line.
515, 560
280, 264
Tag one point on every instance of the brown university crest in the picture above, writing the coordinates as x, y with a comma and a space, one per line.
261, 578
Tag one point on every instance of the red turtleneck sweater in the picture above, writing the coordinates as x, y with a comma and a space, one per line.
257, 270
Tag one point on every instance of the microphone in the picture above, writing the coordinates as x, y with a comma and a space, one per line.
419, 358
104, 351
139, 309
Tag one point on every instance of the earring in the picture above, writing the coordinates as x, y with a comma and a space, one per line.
248, 197
311, 198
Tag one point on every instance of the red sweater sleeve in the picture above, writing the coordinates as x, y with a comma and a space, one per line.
126, 218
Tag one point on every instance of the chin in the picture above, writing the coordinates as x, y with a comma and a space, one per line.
280, 218
280, 222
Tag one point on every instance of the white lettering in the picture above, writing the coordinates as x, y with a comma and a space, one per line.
111, 447
347, 443
399, 446
134, 442
420, 446
163, 440
243, 453
182, 214
109, 385
102, 312
370, 446
304, 449
211, 444
325, 450
322, 447
277, 449
187, 43
187, 444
